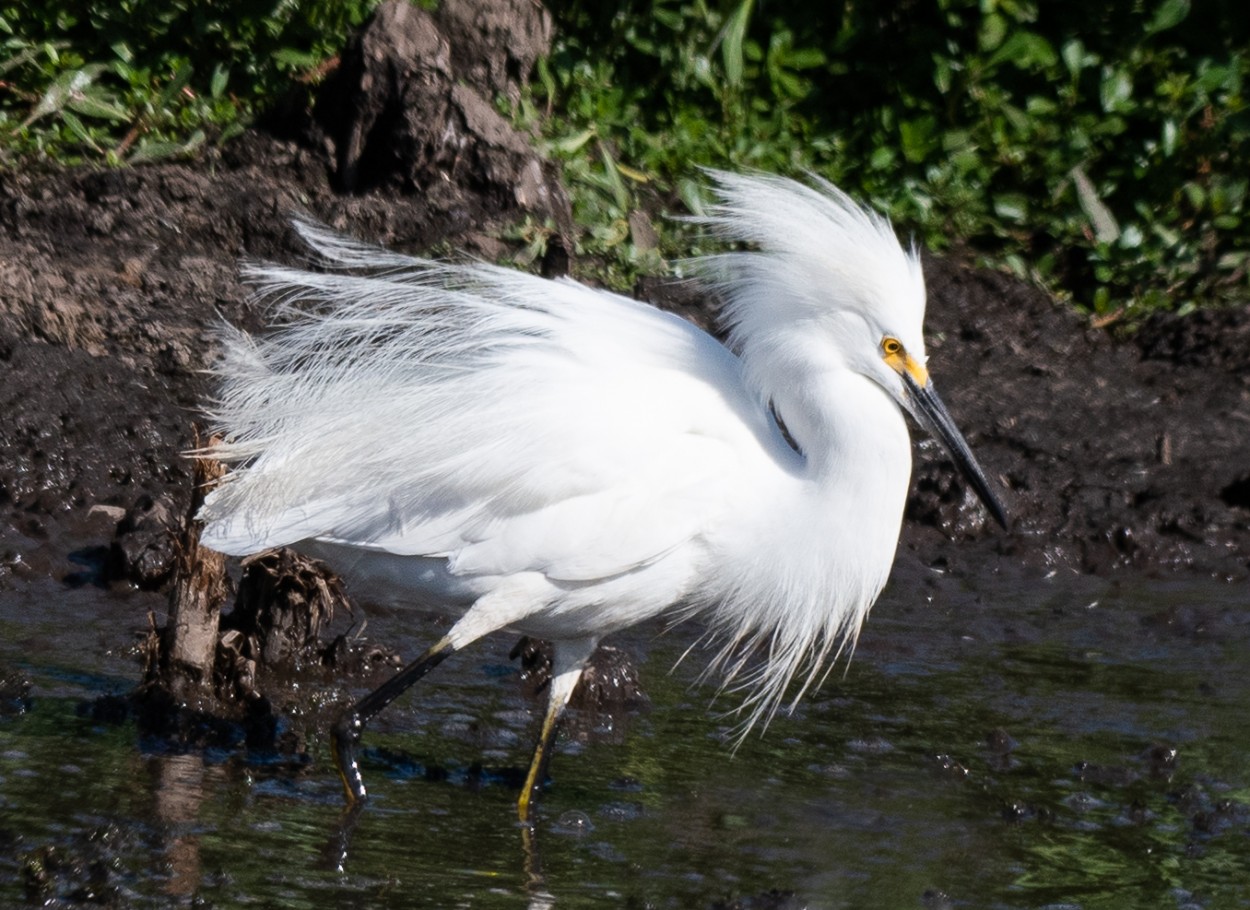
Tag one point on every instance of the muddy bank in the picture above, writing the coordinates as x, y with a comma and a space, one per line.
1117, 455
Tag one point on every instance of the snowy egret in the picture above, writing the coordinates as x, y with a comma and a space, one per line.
562, 461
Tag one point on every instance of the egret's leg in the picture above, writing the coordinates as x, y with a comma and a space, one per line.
511, 601
567, 663
345, 735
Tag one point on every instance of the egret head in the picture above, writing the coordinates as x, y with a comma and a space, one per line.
828, 285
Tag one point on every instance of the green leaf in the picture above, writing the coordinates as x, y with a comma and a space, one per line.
1074, 56
882, 158
1213, 78
788, 85
177, 82
1227, 195
1026, 50
804, 58
1195, 194
546, 77
291, 58
98, 105
62, 89
731, 42
1168, 15
993, 31
956, 140
1019, 120
1116, 91
221, 76
632, 173
1169, 237
232, 130
1041, 108
1012, 207
691, 194
1106, 230
942, 74
154, 150
571, 144
620, 193
917, 138
79, 129
670, 19
1169, 135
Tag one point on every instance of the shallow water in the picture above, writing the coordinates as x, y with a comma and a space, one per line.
1013, 743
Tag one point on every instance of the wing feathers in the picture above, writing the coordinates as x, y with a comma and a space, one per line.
505, 421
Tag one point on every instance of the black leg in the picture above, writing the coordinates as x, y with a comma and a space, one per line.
345, 734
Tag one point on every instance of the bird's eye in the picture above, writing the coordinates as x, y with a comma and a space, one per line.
891, 347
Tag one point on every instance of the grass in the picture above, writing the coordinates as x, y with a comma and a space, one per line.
127, 81
1102, 150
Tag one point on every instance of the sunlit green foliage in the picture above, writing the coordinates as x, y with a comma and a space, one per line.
1100, 147
132, 80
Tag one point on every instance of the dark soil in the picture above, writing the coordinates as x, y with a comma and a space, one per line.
1117, 455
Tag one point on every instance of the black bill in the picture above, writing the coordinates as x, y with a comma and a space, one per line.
932, 414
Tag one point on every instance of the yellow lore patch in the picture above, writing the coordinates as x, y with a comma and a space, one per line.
900, 361
917, 370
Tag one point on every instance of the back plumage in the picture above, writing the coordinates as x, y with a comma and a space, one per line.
468, 412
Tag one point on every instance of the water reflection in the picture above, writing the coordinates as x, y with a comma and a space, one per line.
1047, 747
337, 854
540, 898
179, 792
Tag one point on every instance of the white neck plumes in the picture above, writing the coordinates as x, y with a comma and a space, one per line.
802, 309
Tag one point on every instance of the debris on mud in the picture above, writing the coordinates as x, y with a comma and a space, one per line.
285, 600
608, 684
142, 549
203, 681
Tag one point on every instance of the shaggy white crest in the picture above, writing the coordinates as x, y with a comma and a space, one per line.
564, 461
818, 252
820, 265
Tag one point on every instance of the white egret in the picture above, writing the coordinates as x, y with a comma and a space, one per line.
564, 462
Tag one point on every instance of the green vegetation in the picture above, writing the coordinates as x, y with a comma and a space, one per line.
124, 81
1102, 149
